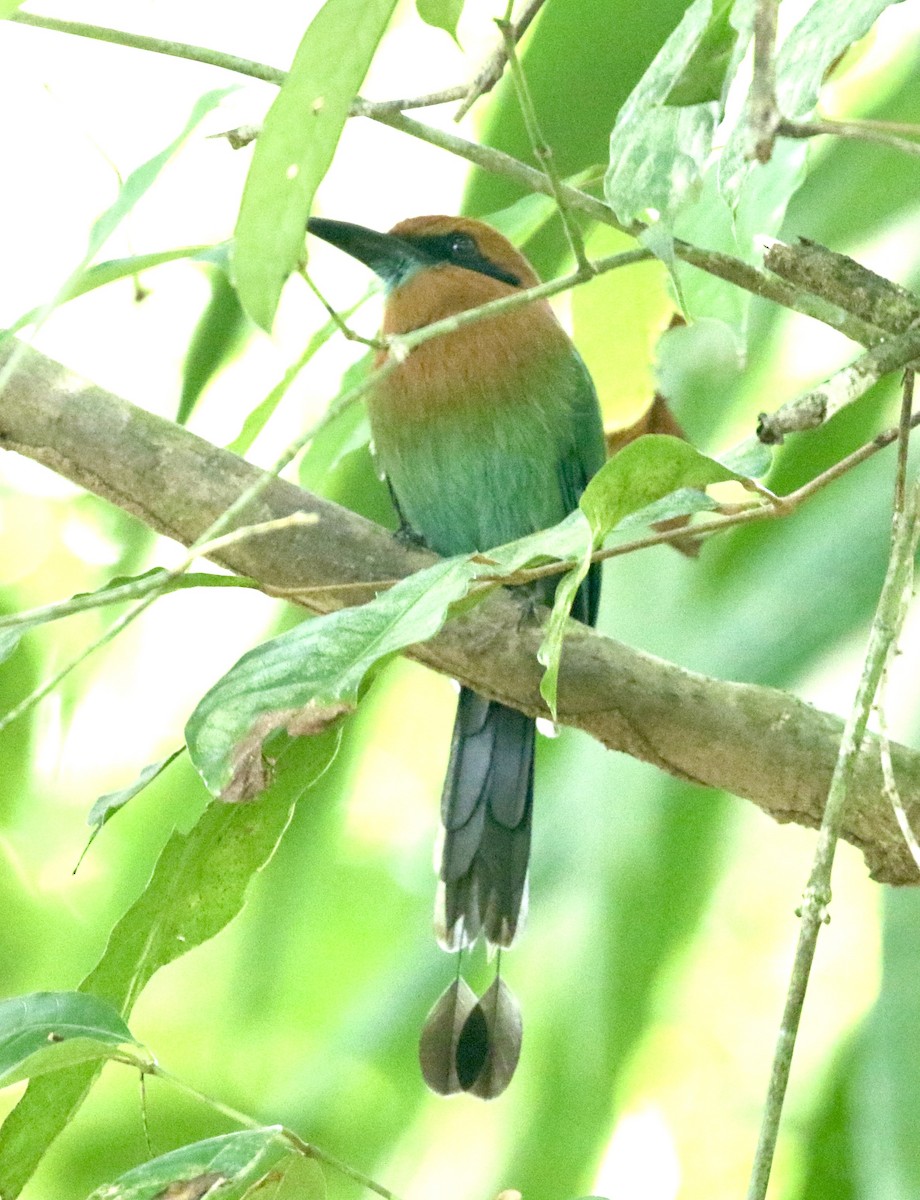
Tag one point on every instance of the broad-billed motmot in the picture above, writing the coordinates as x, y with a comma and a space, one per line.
485, 435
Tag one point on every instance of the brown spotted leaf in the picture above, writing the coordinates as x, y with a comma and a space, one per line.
309, 676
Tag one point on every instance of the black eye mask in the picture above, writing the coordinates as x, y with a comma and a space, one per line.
461, 250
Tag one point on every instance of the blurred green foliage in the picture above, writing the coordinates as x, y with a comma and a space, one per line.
660, 934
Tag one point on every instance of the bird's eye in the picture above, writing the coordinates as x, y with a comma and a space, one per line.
461, 245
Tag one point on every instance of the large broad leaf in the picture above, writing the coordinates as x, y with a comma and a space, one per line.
294, 1178
641, 474
306, 678
296, 146
201, 1169
803, 59
47, 1031
199, 884
658, 150
887, 1100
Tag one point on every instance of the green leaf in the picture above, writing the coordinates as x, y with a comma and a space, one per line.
115, 269
643, 473
47, 1031
9, 640
218, 335
750, 458
295, 1178
658, 152
627, 309
442, 14
549, 655
106, 806
825, 31
8, 7
198, 886
681, 503
296, 146
139, 182
887, 1095
264, 410
200, 1169
711, 64
303, 680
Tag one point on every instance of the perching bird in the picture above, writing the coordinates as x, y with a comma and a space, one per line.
484, 435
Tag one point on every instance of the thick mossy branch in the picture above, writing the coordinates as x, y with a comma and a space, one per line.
757, 742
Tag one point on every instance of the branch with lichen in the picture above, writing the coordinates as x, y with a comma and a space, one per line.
756, 742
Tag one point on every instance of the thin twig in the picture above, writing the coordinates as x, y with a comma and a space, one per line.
820, 404
885, 630
493, 68
146, 591
217, 58
762, 112
847, 129
911, 508
404, 342
723, 266
307, 1149
215, 530
428, 100
542, 151
140, 41
907, 128
344, 328
745, 514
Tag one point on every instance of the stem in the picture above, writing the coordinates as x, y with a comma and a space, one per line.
847, 129
542, 151
885, 629
723, 266
207, 540
821, 403
493, 69
762, 111
403, 343
338, 320
307, 1149
140, 41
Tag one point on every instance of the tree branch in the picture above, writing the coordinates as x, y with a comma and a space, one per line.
757, 742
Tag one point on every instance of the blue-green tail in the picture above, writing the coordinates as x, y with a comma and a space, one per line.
486, 809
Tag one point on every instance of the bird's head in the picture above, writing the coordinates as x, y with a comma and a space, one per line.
445, 245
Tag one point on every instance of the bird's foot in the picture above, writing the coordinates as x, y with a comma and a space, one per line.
407, 536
